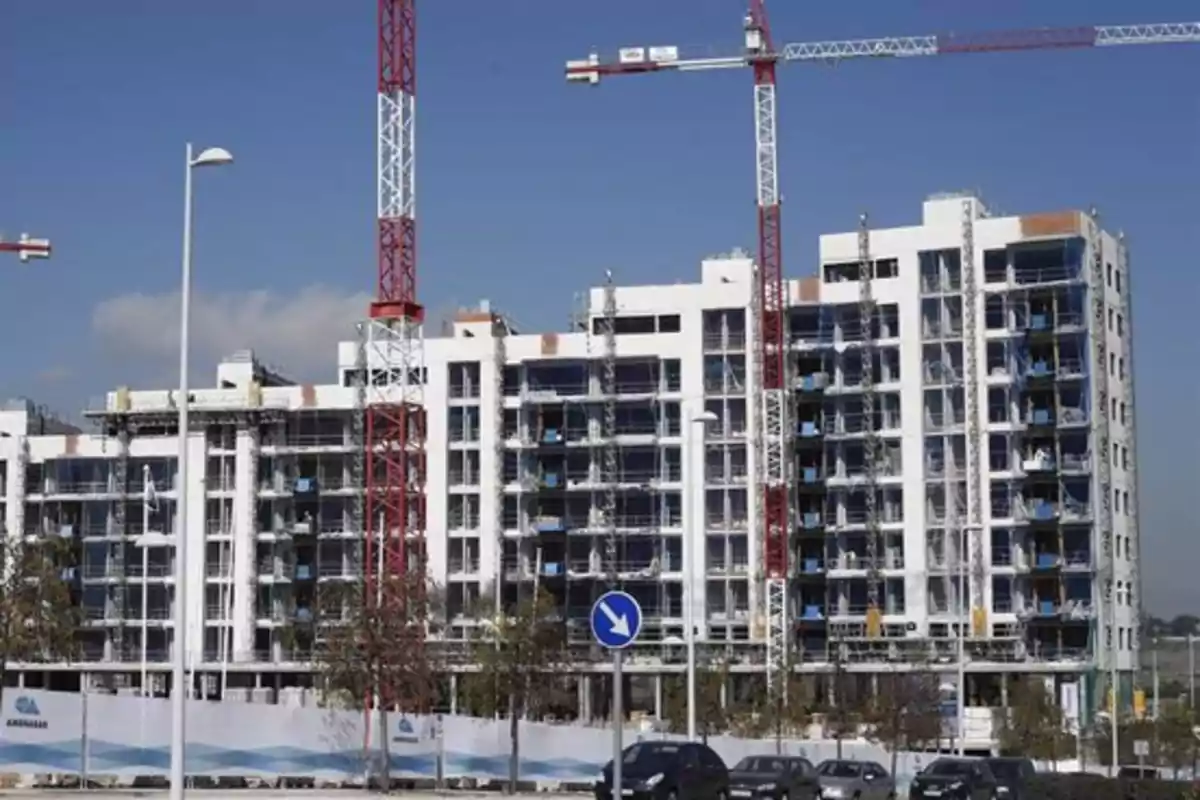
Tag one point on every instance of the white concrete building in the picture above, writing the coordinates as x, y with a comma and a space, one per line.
1017, 537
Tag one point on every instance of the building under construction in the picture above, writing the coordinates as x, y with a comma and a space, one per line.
960, 428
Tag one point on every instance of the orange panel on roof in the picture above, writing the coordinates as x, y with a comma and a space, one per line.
1056, 223
72, 444
308, 395
549, 344
473, 316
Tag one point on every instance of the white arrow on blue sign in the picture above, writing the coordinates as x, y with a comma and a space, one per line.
616, 620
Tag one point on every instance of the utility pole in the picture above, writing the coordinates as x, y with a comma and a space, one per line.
26, 247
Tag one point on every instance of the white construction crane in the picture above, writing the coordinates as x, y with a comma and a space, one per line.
772, 432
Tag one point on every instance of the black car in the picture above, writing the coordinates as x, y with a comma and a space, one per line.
1012, 776
667, 771
956, 778
774, 777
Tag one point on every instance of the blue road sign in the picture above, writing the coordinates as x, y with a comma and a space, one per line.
616, 620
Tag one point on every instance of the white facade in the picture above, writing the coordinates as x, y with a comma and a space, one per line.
268, 541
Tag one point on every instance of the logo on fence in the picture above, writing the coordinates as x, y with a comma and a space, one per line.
405, 732
30, 714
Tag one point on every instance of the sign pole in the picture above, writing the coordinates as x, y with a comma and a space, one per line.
618, 712
616, 622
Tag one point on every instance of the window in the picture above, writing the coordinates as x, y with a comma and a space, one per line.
1108, 271
995, 266
1116, 454
1124, 457
1122, 413
1113, 416
1125, 497
668, 323
1118, 281
1111, 317
1120, 369
1116, 499
1120, 324
1112, 363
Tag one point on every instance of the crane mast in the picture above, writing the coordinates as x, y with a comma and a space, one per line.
773, 430
769, 303
393, 365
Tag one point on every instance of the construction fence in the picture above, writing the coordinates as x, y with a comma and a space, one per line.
121, 737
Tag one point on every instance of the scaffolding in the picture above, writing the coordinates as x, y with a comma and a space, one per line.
1100, 414
978, 579
609, 469
871, 448
1130, 421
500, 368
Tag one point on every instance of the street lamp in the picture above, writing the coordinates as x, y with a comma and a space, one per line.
696, 534
210, 157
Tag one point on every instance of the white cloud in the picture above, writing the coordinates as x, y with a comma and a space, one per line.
297, 332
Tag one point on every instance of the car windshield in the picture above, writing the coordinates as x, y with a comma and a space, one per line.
949, 768
650, 753
1006, 770
840, 769
758, 764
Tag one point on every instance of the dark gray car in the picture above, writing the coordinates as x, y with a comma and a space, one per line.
774, 778
843, 779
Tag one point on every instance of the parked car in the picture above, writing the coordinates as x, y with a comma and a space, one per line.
1012, 776
855, 780
955, 779
775, 777
667, 771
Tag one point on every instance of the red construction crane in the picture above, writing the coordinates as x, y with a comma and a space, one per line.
763, 58
392, 360
26, 247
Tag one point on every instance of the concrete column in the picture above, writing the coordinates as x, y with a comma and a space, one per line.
658, 697
13, 452
193, 532
245, 529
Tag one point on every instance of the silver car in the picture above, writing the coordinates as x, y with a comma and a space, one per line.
855, 780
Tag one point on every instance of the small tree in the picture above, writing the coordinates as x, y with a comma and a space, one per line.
905, 714
1033, 725
372, 648
1175, 736
520, 652
840, 720
711, 716
39, 618
781, 708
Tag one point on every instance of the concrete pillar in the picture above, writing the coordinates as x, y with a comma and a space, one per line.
245, 529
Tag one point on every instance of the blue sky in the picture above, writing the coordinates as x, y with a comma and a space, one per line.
528, 189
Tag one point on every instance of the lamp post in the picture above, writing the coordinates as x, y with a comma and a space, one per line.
696, 534
210, 157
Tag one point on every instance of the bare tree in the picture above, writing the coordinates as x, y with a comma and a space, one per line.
777, 708
521, 657
840, 720
1033, 725
711, 715
39, 618
372, 648
905, 713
